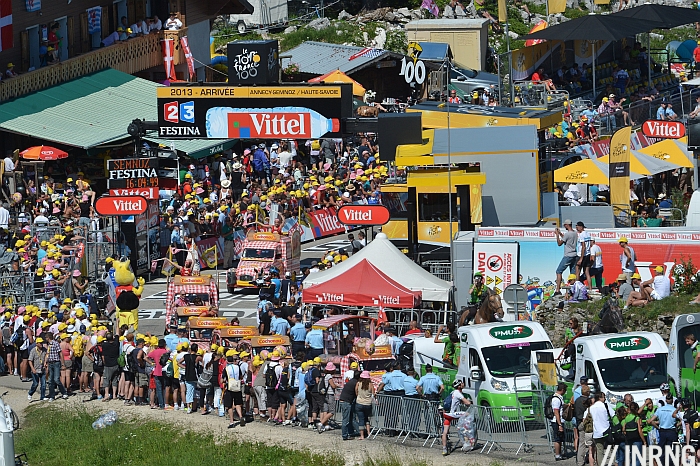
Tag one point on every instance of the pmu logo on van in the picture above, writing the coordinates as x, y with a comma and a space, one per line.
510, 332
269, 125
627, 343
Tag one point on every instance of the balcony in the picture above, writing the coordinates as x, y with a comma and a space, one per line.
132, 56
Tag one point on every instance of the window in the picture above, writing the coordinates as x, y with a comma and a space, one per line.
645, 371
434, 207
251, 253
474, 359
396, 203
512, 359
684, 351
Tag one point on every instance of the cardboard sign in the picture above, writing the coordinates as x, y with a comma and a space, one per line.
207, 322
191, 310
238, 332
200, 280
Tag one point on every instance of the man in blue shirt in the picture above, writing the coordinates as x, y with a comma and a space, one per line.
661, 111
171, 339
314, 343
393, 384
55, 301
297, 334
279, 326
396, 342
430, 385
667, 423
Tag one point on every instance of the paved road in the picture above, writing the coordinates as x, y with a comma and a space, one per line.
241, 304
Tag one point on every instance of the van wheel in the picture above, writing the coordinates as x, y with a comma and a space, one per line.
241, 27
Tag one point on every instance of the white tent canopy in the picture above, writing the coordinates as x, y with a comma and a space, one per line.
387, 258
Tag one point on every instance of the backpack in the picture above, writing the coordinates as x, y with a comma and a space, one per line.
567, 411
78, 347
284, 379
204, 379
168, 369
271, 378
616, 433
293, 379
548, 410
18, 336
316, 144
97, 357
133, 360
121, 360
233, 384
164, 358
6, 335
588, 424
309, 379
447, 403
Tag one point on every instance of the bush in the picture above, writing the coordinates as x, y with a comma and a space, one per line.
686, 277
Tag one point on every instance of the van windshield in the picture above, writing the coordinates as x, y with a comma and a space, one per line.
252, 253
634, 372
512, 358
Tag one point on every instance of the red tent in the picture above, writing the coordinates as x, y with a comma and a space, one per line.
362, 285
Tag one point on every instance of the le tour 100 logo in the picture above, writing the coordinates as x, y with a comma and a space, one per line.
510, 332
627, 343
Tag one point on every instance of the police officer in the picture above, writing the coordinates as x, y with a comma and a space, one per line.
667, 423
298, 335
430, 386
393, 384
314, 343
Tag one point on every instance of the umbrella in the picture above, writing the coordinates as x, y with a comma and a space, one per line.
594, 27
644, 164
43, 153
338, 76
665, 16
587, 171
672, 151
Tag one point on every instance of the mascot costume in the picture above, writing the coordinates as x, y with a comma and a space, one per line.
128, 295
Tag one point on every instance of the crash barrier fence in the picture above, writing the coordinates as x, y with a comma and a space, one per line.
440, 269
488, 428
427, 319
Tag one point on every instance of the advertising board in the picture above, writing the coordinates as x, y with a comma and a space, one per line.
263, 112
132, 173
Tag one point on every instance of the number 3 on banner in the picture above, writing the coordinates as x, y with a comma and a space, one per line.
410, 71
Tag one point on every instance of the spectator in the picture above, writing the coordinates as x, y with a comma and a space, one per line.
173, 23
570, 259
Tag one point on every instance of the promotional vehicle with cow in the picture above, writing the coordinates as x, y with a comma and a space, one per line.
262, 251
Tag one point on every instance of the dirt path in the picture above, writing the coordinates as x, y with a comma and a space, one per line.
354, 451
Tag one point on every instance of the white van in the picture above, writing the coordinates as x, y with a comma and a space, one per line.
497, 362
266, 14
620, 363
681, 376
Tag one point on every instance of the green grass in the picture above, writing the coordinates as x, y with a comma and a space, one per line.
52, 437
673, 305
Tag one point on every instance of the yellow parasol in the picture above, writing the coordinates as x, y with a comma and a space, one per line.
338, 76
584, 171
673, 151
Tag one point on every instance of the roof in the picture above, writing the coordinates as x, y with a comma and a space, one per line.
387, 258
194, 148
435, 51
336, 319
85, 112
321, 58
363, 284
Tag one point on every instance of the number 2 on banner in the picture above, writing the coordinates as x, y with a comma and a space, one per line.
410, 71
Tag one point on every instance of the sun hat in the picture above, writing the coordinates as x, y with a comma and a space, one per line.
275, 356
330, 366
622, 277
365, 375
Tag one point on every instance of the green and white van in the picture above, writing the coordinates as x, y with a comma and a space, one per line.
497, 363
684, 380
620, 363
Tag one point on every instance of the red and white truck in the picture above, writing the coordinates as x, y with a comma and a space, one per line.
260, 252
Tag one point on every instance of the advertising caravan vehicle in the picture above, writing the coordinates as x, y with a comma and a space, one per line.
231, 335
185, 292
261, 252
184, 313
271, 343
496, 363
683, 379
201, 329
620, 363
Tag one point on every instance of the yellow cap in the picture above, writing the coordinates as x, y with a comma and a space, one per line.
244, 354
100, 339
27, 318
304, 366
257, 362
67, 301
221, 350
572, 276
623, 239
229, 353
637, 276
659, 269
353, 365
214, 347
62, 327
200, 352
317, 360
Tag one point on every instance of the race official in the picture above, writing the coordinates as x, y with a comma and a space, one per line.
430, 386
314, 343
298, 335
392, 382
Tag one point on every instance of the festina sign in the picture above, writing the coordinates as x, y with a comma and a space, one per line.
663, 129
148, 193
132, 173
121, 205
363, 215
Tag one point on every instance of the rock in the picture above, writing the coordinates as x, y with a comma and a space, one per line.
403, 12
290, 29
525, 16
344, 15
654, 35
339, 32
390, 16
320, 23
513, 35
416, 14
380, 38
365, 38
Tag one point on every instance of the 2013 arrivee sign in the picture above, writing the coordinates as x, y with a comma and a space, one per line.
510, 332
627, 343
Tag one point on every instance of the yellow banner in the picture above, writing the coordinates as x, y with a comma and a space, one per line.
214, 92
556, 6
602, 2
475, 203
619, 173
502, 11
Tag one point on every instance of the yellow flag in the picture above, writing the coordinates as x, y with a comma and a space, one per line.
502, 11
619, 173
209, 257
475, 203
602, 2
556, 6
